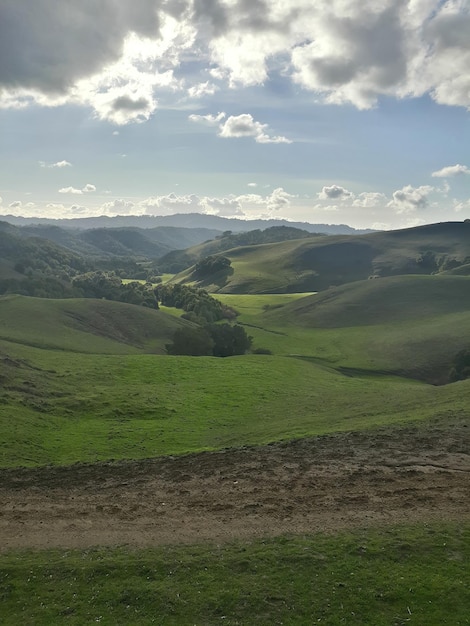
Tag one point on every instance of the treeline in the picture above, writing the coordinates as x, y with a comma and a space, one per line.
199, 306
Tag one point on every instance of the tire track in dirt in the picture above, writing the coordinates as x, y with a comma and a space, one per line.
328, 483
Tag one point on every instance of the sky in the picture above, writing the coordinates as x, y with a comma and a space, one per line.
328, 111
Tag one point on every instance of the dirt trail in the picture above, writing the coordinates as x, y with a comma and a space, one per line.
323, 484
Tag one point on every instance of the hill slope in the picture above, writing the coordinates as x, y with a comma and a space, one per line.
380, 301
318, 263
85, 325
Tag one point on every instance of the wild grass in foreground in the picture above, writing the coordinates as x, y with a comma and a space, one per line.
60, 409
412, 575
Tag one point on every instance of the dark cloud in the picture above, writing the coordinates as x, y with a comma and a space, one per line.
47, 45
128, 104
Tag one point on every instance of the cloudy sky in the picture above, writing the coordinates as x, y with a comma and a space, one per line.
326, 111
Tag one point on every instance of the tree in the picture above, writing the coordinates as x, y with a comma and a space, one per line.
229, 340
192, 341
211, 265
460, 369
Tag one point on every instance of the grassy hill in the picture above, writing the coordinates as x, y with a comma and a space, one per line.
408, 325
381, 301
318, 263
85, 325
179, 260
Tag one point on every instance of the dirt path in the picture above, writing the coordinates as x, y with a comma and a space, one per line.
323, 484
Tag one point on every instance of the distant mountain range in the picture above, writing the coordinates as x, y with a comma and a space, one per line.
186, 220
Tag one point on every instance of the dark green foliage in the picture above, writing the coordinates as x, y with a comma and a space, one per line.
195, 301
229, 340
261, 351
211, 265
460, 369
191, 341
109, 286
214, 340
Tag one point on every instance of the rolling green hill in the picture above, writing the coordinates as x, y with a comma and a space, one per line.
85, 325
317, 263
407, 325
179, 260
381, 301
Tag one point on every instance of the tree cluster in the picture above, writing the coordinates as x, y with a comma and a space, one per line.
200, 306
211, 265
220, 340
107, 285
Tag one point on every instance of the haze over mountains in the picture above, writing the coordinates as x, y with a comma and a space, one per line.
183, 220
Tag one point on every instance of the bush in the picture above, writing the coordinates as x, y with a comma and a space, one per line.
460, 369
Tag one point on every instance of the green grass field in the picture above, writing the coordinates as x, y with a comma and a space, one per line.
396, 576
101, 398
58, 409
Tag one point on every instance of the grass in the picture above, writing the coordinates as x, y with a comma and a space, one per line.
395, 576
315, 264
57, 409
84, 325
432, 325
61, 407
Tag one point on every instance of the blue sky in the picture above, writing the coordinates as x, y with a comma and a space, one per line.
338, 111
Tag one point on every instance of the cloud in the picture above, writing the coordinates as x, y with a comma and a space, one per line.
119, 206
370, 199
461, 206
70, 190
86, 189
245, 126
335, 192
409, 199
59, 164
86, 38
119, 56
207, 120
237, 126
451, 170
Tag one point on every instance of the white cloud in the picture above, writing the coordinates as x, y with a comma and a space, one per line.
59, 164
252, 184
70, 190
451, 170
237, 126
245, 126
409, 199
461, 206
370, 199
335, 192
88, 188
119, 206
207, 120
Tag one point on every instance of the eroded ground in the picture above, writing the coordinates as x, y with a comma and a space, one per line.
322, 484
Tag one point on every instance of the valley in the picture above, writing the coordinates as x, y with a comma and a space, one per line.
341, 425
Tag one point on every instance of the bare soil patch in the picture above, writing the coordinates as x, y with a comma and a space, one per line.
329, 483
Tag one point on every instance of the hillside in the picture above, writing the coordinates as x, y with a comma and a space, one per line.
317, 263
85, 325
179, 260
118, 241
387, 300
